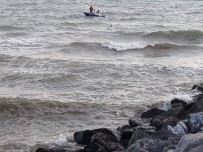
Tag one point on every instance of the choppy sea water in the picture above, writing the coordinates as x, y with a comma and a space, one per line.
63, 72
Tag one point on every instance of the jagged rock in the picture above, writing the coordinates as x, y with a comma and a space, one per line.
42, 150
138, 134
191, 143
175, 101
152, 113
126, 135
93, 147
198, 88
103, 139
146, 128
148, 145
115, 146
161, 120
179, 129
123, 128
134, 122
84, 137
195, 122
164, 134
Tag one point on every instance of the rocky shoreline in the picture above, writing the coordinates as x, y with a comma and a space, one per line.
179, 129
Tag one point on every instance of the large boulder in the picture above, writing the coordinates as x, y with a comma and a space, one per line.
191, 143
134, 122
161, 120
138, 134
195, 122
152, 113
148, 145
175, 101
84, 137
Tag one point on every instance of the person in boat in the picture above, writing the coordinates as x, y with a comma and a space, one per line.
98, 11
91, 9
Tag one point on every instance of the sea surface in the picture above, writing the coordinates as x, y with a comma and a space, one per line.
62, 72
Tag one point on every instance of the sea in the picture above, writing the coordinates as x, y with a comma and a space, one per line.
62, 72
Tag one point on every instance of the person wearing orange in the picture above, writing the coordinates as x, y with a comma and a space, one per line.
91, 9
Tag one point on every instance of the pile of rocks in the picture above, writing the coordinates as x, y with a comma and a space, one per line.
177, 129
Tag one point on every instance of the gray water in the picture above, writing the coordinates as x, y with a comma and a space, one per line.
63, 72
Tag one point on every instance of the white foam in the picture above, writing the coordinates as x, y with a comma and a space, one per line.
181, 96
61, 141
124, 47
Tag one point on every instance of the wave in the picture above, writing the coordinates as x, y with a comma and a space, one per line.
38, 109
140, 46
189, 35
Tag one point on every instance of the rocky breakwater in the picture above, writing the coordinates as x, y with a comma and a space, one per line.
179, 129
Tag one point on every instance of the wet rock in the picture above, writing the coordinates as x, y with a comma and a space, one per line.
148, 145
161, 120
152, 113
191, 143
164, 134
179, 129
175, 101
200, 88
134, 122
93, 147
126, 135
103, 139
123, 128
138, 134
84, 137
42, 150
195, 122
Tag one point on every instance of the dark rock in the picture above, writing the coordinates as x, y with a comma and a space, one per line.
127, 134
197, 88
114, 146
93, 147
163, 134
138, 134
84, 137
42, 150
152, 113
148, 129
171, 121
148, 145
175, 101
58, 150
195, 122
159, 121
103, 139
123, 128
124, 143
134, 122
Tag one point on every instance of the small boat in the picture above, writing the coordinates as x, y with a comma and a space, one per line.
94, 14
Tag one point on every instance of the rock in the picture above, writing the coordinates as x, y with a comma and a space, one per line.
176, 111
93, 147
123, 128
114, 146
179, 129
197, 88
42, 150
195, 122
191, 143
134, 122
146, 128
171, 121
84, 137
152, 113
138, 134
126, 135
195, 107
124, 143
148, 145
164, 134
175, 101
103, 139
